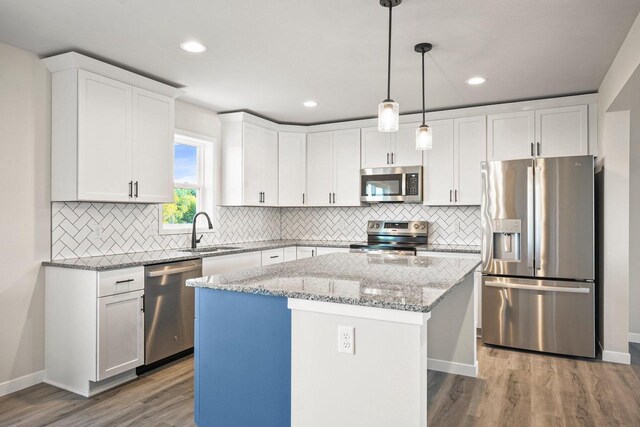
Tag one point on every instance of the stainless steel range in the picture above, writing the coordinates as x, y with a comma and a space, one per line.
394, 237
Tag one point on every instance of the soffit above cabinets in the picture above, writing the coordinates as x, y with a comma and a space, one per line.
269, 57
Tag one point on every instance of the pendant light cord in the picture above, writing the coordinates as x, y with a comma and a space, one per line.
423, 104
389, 56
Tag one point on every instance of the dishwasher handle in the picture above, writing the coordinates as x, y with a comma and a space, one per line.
174, 270
575, 290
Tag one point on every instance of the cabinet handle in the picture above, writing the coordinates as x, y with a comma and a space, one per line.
275, 256
532, 149
142, 309
136, 186
387, 158
329, 197
450, 196
303, 198
119, 282
455, 193
538, 148
313, 252
130, 188
334, 198
391, 158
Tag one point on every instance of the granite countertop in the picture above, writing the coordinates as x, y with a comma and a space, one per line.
134, 259
386, 281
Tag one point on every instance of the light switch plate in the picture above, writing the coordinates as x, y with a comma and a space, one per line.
346, 340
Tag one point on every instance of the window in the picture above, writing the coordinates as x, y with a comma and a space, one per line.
193, 183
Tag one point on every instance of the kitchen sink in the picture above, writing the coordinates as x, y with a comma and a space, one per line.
206, 249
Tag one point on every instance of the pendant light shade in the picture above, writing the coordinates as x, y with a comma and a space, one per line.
424, 134
389, 110
424, 138
388, 116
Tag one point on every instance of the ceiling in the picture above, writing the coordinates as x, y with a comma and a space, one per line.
269, 56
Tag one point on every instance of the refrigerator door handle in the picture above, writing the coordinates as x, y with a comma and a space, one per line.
537, 182
530, 220
573, 290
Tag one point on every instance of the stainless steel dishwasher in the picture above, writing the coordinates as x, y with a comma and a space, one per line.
169, 309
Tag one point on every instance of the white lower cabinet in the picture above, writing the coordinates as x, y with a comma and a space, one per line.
120, 333
230, 263
305, 252
272, 256
290, 254
94, 328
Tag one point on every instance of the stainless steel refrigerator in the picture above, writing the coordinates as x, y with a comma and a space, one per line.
538, 255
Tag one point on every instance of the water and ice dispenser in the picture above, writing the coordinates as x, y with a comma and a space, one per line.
506, 239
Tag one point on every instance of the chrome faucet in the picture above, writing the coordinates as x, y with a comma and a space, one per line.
194, 241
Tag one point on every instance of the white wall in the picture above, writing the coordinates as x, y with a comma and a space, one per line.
634, 228
25, 110
615, 93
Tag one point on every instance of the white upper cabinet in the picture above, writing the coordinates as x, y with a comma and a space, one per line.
438, 165
153, 149
112, 133
511, 135
249, 167
452, 166
551, 132
404, 146
470, 149
333, 168
562, 131
319, 169
292, 169
390, 149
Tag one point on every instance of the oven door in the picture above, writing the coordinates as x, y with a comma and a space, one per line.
391, 185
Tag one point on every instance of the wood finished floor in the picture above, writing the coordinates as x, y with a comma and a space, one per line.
513, 389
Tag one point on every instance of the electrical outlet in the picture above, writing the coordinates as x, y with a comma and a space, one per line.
96, 231
346, 340
342, 224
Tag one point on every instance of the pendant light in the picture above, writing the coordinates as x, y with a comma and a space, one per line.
424, 134
389, 110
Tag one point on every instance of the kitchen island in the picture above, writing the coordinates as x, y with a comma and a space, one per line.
271, 347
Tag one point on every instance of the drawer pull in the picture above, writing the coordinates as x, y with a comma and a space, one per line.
275, 256
120, 282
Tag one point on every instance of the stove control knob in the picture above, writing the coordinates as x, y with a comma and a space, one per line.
422, 227
377, 225
371, 225
416, 226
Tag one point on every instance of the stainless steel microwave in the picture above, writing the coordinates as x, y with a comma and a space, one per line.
401, 184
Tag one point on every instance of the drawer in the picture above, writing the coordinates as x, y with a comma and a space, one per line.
114, 282
273, 256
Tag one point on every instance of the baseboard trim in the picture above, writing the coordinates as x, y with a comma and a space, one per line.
18, 384
616, 357
453, 367
634, 337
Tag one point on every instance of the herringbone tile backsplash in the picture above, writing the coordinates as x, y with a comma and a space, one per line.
449, 225
134, 227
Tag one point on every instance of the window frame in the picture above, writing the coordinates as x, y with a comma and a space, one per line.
205, 181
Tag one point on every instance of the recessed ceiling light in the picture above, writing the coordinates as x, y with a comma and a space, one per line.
310, 104
193, 46
475, 81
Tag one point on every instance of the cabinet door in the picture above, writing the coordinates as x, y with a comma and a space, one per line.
319, 169
376, 148
152, 147
404, 146
252, 164
120, 333
470, 136
438, 165
269, 167
346, 168
104, 138
290, 254
305, 252
292, 168
510, 135
562, 131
